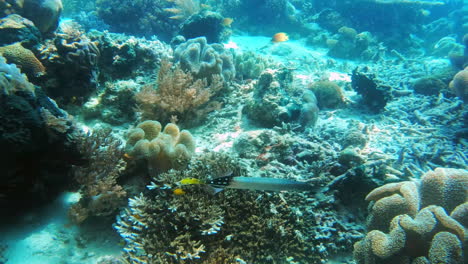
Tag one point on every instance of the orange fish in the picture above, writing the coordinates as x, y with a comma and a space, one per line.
227, 21
178, 191
279, 37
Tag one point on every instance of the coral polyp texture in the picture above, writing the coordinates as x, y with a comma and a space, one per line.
163, 150
418, 222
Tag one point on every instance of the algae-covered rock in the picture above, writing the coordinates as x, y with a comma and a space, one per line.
15, 28
375, 94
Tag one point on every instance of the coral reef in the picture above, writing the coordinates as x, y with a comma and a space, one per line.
429, 86
138, 20
276, 100
121, 55
329, 94
375, 94
115, 104
71, 59
101, 195
205, 24
250, 65
204, 60
15, 28
165, 226
164, 150
348, 44
413, 222
24, 59
177, 96
44, 13
41, 143
459, 85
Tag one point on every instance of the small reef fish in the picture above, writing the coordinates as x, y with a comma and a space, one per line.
253, 183
189, 181
227, 21
280, 37
178, 191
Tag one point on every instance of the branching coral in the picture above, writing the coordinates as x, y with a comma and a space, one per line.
165, 226
101, 195
417, 222
177, 94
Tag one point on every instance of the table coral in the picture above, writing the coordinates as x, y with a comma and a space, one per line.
417, 222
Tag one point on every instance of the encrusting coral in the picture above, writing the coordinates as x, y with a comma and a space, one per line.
164, 150
417, 222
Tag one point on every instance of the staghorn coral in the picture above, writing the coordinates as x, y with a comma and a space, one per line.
420, 229
205, 60
24, 59
101, 195
164, 150
177, 95
163, 226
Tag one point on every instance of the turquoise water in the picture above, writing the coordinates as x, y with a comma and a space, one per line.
234, 131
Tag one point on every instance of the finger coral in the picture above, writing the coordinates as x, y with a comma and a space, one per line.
163, 150
417, 222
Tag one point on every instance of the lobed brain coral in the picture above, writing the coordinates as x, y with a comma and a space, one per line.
422, 222
162, 150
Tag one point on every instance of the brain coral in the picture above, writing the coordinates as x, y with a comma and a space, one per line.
422, 222
163, 150
23, 58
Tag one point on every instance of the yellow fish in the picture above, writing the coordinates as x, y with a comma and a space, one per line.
188, 181
179, 191
227, 21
